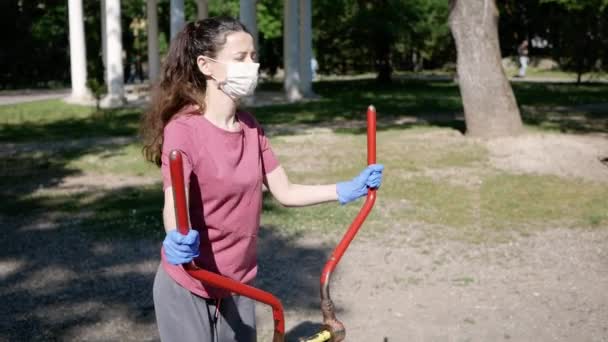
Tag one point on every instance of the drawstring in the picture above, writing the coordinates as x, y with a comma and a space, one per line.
216, 319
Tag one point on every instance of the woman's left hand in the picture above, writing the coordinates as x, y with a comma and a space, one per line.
370, 177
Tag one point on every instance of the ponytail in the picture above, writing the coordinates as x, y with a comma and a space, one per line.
181, 82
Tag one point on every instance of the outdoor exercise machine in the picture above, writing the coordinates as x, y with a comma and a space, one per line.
332, 329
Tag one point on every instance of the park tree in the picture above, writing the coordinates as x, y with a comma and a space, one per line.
490, 107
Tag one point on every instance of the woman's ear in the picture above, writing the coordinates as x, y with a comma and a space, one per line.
203, 66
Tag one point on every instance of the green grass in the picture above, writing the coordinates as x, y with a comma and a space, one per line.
325, 220
557, 74
524, 201
43, 112
341, 100
131, 212
428, 167
119, 160
54, 120
559, 94
464, 281
434, 202
500, 202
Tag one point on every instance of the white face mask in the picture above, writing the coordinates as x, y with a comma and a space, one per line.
241, 78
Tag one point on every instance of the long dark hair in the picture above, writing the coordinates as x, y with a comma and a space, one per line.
181, 82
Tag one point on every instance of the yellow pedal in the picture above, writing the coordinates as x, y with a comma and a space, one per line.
318, 337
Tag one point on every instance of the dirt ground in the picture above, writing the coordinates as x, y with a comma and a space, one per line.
409, 287
409, 284
579, 156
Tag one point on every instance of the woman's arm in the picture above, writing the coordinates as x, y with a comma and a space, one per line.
297, 195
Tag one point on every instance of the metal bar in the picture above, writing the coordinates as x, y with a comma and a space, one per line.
327, 307
210, 278
371, 135
176, 168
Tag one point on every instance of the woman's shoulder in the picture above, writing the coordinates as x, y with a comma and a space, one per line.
248, 120
184, 119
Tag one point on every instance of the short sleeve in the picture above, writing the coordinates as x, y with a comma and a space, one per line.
269, 160
177, 135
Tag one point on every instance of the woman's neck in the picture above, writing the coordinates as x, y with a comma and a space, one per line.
220, 109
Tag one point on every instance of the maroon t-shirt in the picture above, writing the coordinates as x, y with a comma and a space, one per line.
224, 171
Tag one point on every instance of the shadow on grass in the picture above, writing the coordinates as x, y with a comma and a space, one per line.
581, 119
26, 170
340, 101
105, 123
559, 94
82, 263
564, 107
44, 161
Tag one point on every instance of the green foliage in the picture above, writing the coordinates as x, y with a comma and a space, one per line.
349, 36
577, 5
367, 35
270, 18
224, 7
97, 88
270, 30
35, 39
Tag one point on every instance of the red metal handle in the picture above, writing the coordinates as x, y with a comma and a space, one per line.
371, 135
210, 278
332, 324
176, 168
367, 206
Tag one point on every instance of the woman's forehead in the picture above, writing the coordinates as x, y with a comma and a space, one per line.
237, 42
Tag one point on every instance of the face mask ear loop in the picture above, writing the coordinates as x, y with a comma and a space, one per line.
219, 84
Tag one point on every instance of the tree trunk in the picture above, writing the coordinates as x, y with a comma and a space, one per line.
490, 107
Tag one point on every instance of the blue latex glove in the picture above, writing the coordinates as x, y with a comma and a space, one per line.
181, 249
370, 177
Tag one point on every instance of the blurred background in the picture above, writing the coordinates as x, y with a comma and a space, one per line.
348, 37
491, 224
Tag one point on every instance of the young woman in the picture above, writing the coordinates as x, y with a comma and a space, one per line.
210, 66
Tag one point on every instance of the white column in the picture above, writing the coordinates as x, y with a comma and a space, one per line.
104, 41
305, 47
78, 54
248, 18
291, 46
178, 18
203, 9
114, 68
153, 51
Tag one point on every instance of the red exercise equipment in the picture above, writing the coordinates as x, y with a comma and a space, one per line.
332, 330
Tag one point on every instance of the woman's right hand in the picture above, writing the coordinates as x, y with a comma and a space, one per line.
181, 249
370, 177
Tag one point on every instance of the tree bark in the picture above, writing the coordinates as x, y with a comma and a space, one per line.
490, 107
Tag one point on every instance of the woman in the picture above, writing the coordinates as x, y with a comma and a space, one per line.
209, 68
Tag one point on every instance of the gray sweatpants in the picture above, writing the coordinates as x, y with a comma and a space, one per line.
183, 316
